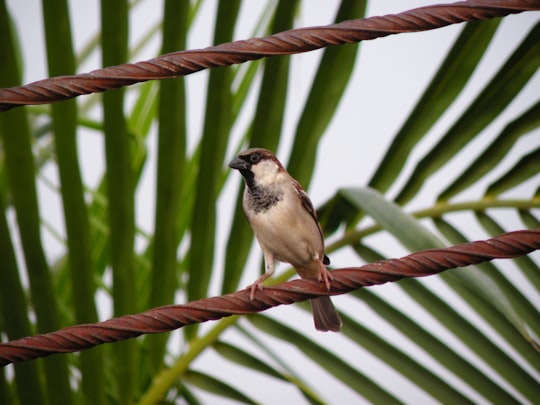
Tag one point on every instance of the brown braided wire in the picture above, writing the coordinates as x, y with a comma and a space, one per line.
170, 317
284, 43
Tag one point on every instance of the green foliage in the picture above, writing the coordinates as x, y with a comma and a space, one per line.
437, 335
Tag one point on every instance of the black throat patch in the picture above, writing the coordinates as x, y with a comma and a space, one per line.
261, 199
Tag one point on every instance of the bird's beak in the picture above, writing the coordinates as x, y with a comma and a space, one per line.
238, 164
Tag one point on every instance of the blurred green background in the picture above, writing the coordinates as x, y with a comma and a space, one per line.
116, 203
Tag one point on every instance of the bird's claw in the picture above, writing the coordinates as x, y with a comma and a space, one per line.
253, 288
257, 285
325, 276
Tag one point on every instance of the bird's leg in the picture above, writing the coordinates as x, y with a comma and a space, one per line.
269, 267
324, 274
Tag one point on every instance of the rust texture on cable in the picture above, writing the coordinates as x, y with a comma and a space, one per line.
170, 317
284, 43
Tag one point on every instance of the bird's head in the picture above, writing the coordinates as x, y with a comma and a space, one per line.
258, 166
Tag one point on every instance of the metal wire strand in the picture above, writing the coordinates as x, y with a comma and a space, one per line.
170, 317
284, 43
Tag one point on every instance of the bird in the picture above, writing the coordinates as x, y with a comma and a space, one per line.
286, 227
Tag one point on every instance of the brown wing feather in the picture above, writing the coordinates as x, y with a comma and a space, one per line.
308, 205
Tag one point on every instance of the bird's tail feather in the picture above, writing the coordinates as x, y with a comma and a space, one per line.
325, 315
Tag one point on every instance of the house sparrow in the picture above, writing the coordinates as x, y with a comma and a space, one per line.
286, 227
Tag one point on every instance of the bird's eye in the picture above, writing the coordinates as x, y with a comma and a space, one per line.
254, 158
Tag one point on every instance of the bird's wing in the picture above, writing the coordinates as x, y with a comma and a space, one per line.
308, 206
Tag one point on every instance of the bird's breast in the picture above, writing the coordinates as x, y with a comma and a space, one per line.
260, 199
286, 229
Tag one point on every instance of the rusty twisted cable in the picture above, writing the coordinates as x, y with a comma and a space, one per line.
170, 317
283, 43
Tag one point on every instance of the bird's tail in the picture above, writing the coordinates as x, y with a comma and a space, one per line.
325, 315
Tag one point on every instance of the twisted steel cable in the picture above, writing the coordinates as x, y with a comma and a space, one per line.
170, 317
284, 43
